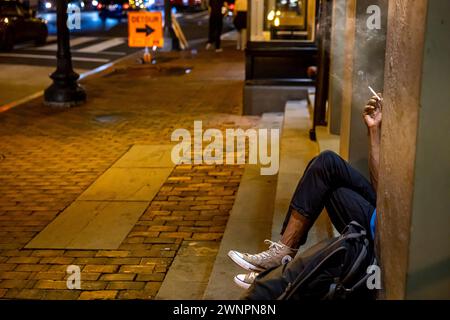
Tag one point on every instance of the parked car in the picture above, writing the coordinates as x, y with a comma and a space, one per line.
18, 24
50, 5
146, 4
115, 9
187, 4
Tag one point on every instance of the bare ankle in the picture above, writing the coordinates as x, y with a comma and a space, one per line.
296, 230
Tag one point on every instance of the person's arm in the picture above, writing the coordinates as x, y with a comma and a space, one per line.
373, 117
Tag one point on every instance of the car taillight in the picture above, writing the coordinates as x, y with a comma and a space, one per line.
125, 6
231, 6
99, 6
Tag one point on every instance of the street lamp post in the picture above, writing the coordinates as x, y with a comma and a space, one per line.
65, 90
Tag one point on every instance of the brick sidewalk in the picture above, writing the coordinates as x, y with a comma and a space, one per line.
49, 157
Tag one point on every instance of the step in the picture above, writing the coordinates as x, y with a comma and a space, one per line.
296, 152
248, 226
326, 140
189, 272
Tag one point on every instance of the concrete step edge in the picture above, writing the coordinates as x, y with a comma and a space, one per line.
248, 225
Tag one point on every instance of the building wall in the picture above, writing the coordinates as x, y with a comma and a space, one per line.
347, 83
337, 65
428, 275
413, 195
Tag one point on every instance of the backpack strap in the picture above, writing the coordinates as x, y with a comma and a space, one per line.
364, 279
338, 287
362, 255
355, 225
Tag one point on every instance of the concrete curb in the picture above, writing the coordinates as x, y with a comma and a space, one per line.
249, 224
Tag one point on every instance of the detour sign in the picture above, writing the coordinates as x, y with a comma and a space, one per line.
145, 29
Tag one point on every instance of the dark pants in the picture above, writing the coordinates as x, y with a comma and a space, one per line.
330, 182
215, 29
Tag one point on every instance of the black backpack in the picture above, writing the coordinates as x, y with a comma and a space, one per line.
331, 270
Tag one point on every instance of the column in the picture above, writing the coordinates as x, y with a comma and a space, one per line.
414, 187
337, 65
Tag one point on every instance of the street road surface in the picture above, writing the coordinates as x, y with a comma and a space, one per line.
25, 70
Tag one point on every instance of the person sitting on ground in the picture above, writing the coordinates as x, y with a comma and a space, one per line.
330, 182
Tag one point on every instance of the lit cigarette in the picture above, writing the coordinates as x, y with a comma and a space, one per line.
375, 94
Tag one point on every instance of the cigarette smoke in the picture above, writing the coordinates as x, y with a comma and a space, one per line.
369, 48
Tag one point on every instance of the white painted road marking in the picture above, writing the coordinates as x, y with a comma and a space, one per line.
49, 57
102, 45
73, 42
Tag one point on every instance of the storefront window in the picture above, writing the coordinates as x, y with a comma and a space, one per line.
283, 20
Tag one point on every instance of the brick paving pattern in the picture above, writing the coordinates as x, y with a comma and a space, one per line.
49, 157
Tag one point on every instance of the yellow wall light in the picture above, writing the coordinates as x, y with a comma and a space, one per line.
277, 22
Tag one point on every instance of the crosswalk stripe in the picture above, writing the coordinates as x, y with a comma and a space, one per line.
195, 16
102, 45
49, 57
114, 53
230, 35
73, 42
52, 38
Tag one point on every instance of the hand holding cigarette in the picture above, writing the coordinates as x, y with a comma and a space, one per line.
373, 110
375, 94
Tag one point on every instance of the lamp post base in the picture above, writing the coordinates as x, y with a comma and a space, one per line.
64, 96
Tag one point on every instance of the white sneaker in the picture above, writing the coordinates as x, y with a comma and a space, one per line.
219, 50
208, 46
276, 255
245, 281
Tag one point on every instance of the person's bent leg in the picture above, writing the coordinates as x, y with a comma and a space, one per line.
345, 205
325, 173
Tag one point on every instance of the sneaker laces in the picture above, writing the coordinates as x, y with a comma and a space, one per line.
274, 248
250, 277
